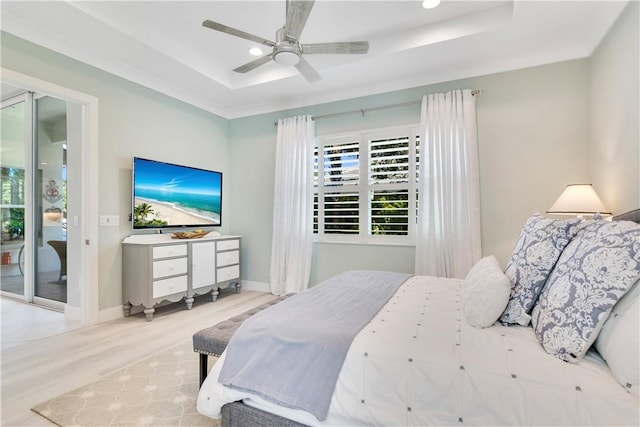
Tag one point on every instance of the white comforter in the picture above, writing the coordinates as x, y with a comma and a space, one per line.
419, 363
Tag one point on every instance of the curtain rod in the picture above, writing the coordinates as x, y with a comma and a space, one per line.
474, 92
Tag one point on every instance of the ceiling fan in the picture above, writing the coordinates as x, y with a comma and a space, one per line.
287, 49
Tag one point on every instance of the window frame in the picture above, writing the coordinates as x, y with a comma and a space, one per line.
364, 187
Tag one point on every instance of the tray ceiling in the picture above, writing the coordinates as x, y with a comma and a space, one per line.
163, 45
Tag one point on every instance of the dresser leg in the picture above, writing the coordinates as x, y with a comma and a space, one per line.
127, 309
214, 294
148, 311
189, 301
238, 285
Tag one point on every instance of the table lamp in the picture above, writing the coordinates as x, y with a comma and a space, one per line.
578, 199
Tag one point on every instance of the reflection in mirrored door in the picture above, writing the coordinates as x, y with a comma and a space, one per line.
50, 199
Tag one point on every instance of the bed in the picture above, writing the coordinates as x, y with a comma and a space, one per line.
550, 340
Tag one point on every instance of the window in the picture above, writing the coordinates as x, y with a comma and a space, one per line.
363, 186
12, 203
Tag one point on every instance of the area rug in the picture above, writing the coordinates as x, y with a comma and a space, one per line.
158, 391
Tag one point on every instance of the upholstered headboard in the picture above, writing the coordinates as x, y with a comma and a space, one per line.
629, 216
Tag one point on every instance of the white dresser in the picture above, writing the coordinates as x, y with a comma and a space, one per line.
157, 268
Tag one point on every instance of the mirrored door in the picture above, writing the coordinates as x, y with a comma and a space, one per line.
50, 199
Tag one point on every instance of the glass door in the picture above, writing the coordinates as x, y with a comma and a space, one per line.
14, 133
34, 199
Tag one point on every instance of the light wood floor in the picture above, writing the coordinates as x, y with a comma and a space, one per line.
38, 368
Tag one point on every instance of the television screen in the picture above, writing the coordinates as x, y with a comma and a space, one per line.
168, 195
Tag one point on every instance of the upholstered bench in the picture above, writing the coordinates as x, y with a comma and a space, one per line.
213, 340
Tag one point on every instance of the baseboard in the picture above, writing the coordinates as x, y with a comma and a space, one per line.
112, 313
72, 313
75, 313
255, 286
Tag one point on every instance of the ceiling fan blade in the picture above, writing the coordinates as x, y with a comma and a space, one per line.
297, 14
307, 71
338, 47
253, 64
238, 33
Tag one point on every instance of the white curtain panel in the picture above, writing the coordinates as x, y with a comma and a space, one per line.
448, 231
292, 206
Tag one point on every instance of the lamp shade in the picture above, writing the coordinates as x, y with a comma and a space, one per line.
578, 199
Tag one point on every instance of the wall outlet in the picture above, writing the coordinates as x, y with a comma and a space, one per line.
109, 221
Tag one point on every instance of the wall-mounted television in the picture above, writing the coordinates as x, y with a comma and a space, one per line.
167, 195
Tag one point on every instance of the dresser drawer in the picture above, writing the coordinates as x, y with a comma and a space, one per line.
169, 286
228, 273
169, 251
227, 245
228, 258
169, 267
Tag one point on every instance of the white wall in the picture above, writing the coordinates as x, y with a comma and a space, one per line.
533, 129
615, 115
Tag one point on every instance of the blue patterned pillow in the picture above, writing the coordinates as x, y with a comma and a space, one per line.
593, 273
540, 244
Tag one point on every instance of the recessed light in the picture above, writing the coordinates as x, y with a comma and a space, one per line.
255, 51
430, 4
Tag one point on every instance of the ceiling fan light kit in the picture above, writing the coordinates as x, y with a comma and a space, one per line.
286, 52
286, 57
287, 49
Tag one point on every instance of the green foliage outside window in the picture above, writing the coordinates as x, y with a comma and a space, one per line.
13, 188
389, 213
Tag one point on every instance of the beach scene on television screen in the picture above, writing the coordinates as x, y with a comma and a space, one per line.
168, 195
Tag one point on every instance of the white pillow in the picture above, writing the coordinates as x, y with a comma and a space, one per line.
619, 340
486, 292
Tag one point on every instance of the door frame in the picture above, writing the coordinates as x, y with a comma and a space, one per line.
87, 243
